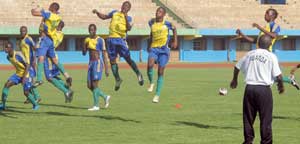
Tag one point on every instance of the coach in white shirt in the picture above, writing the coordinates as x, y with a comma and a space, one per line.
260, 68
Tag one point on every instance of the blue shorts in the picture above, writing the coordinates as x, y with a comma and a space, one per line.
46, 48
160, 55
18, 80
117, 46
95, 70
50, 69
32, 72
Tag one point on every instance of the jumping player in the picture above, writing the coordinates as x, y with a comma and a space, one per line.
52, 72
158, 48
271, 29
120, 24
50, 22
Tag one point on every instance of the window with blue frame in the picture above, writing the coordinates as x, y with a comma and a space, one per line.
273, 1
199, 44
289, 44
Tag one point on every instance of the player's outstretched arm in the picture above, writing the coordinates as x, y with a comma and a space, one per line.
280, 86
128, 24
247, 38
36, 12
234, 81
271, 34
175, 42
100, 15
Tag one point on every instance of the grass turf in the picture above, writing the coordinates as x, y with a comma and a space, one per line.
204, 116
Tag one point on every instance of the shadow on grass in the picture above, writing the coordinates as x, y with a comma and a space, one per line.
204, 126
105, 117
61, 106
6, 115
286, 118
53, 105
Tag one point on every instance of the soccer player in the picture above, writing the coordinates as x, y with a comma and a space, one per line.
52, 72
50, 22
158, 49
27, 49
95, 45
120, 24
271, 29
22, 76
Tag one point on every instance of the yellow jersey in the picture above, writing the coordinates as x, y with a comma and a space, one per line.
57, 40
160, 33
26, 45
97, 43
117, 27
18, 61
51, 21
270, 27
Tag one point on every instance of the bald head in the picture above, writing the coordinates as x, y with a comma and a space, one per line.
264, 41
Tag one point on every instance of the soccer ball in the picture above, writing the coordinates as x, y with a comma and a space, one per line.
223, 91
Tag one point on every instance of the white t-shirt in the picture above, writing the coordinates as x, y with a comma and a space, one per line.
260, 67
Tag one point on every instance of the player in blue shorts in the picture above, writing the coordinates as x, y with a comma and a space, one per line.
95, 45
120, 24
22, 76
27, 48
158, 48
49, 25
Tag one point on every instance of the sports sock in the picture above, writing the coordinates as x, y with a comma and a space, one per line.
115, 71
60, 85
35, 93
100, 93
61, 68
286, 79
134, 67
4, 95
160, 81
96, 97
150, 75
40, 67
32, 99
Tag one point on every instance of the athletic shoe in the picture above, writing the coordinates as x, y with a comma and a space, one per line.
2, 107
69, 96
36, 107
37, 83
118, 84
107, 101
94, 108
151, 87
69, 82
155, 99
295, 84
140, 79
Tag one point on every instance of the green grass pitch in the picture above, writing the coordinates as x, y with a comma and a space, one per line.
204, 118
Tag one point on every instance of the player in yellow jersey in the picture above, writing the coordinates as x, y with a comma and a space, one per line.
51, 70
120, 24
22, 76
27, 48
49, 25
272, 29
158, 48
95, 45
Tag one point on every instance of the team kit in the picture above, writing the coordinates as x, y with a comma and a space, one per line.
36, 58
